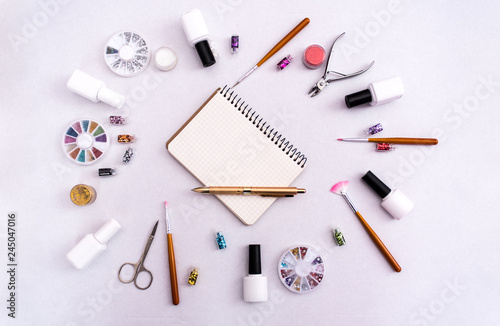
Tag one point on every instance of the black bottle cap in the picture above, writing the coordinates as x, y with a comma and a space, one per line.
358, 98
254, 261
378, 186
205, 53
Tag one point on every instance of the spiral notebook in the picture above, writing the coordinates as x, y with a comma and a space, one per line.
226, 143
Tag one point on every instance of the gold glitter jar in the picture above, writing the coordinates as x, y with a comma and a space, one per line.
82, 195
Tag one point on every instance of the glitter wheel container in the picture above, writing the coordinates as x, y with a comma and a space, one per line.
127, 54
301, 269
85, 141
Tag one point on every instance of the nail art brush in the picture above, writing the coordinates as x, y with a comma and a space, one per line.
394, 140
276, 48
340, 188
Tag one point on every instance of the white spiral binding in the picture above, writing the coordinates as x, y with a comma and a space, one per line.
272, 134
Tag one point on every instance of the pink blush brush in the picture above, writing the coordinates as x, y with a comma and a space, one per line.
340, 188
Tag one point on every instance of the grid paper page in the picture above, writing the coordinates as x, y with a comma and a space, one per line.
221, 147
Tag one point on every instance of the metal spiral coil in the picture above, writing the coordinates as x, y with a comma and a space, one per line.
264, 127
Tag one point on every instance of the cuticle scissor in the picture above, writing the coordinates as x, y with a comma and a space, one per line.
139, 266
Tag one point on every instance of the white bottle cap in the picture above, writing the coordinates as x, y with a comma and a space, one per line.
107, 231
165, 59
194, 26
93, 89
387, 90
111, 97
255, 288
397, 204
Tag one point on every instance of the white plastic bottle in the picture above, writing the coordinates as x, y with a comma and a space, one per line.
92, 245
381, 92
93, 89
255, 284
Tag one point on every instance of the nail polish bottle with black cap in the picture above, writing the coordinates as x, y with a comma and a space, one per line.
394, 202
197, 35
380, 92
254, 285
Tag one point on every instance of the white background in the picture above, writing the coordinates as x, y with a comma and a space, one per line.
447, 56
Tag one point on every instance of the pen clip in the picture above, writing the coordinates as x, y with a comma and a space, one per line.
276, 195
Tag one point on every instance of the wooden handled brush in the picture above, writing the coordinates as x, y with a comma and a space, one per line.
340, 188
171, 260
394, 140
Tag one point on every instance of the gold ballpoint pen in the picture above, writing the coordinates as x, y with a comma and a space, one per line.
261, 191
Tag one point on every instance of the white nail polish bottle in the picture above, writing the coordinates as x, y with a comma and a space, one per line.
394, 202
254, 285
381, 92
197, 35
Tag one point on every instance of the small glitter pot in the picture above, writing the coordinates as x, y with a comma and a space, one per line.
82, 195
127, 157
221, 242
314, 56
284, 62
193, 276
126, 138
373, 130
118, 120
385, 147
165, 59
339, 237
107, 172
235, 44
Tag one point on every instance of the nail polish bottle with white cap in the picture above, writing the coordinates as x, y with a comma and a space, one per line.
394, 202
92, 245
380, 92
197, 35
93, 89
254, 285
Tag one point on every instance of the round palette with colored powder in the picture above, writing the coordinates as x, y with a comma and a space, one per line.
127, 54
301, 269
85, 141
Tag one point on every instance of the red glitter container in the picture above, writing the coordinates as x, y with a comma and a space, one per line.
314, 56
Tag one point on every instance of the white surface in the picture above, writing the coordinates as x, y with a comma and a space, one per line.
447, 56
